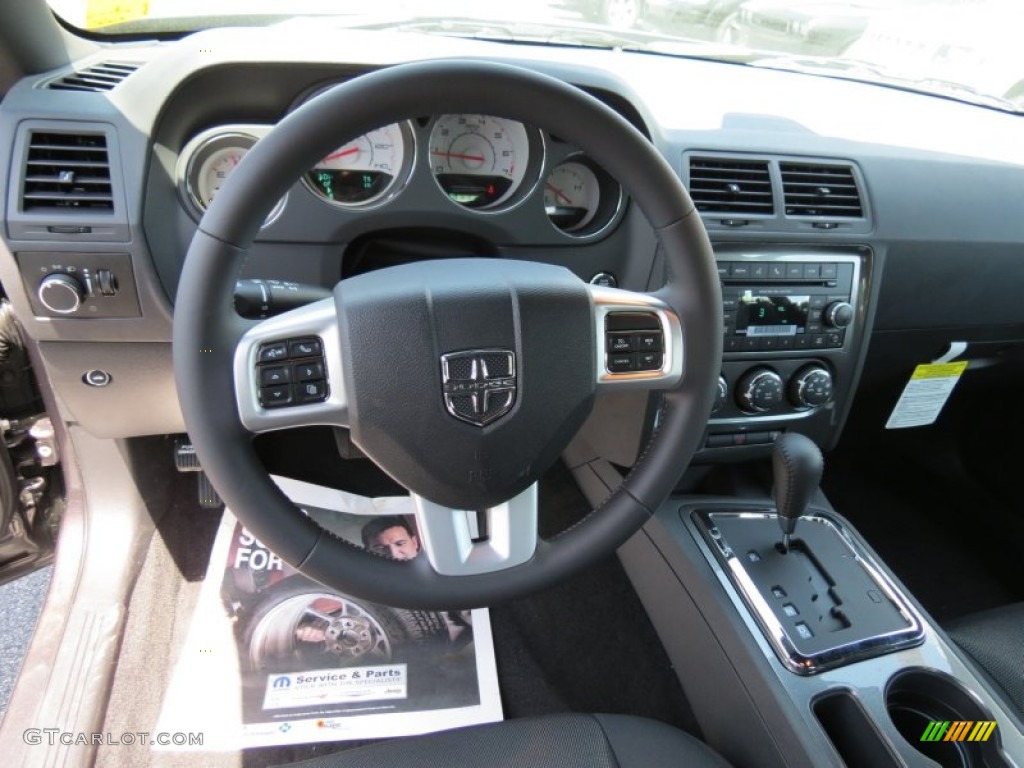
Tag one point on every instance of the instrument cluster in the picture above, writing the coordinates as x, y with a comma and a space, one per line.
480, 163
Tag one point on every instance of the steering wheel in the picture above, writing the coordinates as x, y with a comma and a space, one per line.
465, 379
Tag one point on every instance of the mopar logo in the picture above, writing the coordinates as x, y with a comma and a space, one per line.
479, 385
283, 682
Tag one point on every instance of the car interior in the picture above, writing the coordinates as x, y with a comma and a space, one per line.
701, 375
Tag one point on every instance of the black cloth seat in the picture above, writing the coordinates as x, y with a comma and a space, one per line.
994, 639
554, 741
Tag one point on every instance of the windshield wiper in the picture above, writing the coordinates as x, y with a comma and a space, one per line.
865, 71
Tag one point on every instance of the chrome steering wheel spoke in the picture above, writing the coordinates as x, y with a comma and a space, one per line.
639, 341
466, 542
289, 371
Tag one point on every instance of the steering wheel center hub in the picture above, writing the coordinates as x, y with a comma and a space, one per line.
466, 379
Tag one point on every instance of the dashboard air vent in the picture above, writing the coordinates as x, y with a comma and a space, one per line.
67, 171
727, 185
820, 190
99, 77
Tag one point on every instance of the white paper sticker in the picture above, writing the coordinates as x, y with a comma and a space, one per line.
925, 394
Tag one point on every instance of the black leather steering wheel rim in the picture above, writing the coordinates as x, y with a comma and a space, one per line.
206, 328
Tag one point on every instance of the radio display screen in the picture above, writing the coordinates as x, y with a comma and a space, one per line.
771, 315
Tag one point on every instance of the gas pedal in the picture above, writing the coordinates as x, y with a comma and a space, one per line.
185, 460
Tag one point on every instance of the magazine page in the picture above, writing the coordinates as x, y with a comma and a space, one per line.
275, 658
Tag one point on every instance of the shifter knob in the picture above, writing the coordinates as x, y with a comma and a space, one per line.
797, 465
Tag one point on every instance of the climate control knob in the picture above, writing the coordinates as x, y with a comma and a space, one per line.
759, 390
60, 293
811, 387
838, 314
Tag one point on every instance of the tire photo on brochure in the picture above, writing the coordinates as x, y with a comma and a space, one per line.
299, 623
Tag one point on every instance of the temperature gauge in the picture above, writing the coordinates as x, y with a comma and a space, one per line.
580, 198
571, 196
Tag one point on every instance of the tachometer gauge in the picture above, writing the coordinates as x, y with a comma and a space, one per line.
479, 161
367, 170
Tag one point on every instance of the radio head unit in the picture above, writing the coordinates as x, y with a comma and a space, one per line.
786, 305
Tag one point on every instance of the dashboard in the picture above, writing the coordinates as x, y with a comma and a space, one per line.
858, 229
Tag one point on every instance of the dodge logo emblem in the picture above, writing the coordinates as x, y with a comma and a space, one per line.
479, 385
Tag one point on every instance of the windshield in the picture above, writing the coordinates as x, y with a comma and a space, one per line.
962, 49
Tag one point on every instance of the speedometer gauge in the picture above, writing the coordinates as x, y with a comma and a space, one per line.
479, 161
366, 170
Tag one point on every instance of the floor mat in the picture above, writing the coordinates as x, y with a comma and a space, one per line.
947, 536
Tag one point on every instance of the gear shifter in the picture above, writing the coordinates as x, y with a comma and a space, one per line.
797, 465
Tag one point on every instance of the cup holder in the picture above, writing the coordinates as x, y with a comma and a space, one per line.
917, 697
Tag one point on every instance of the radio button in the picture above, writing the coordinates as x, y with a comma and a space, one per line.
769, 342
732, 344
787, 342
759, 271
724, 268
776, 271
741, 270
803, 341
818, 341
750, 344
812, 271
838, 314
829, 271
835, 339
818, 302
794, 270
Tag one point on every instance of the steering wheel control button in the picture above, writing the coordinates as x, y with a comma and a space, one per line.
633, 332
273, 375
621, 363
648, 361
620, 342
311, 391
309, 371
275, 397
649, 342
295, 384
305, 348
271, 353
97, 378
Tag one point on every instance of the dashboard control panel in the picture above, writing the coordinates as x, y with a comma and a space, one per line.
86, 285
792, 326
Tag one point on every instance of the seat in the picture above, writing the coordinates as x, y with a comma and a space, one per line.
554, 741
993, 639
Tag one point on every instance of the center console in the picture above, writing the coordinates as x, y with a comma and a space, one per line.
794, 643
